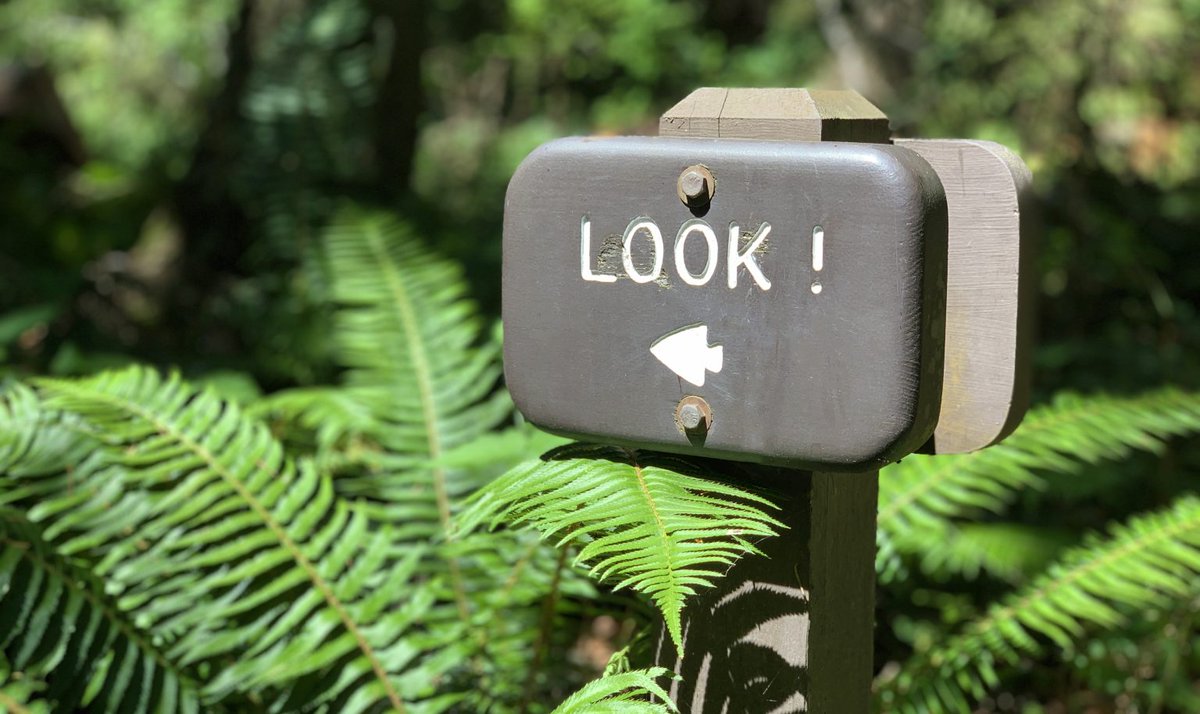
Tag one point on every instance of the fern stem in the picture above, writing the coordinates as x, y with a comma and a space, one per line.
661, 528
280, 533
424, 378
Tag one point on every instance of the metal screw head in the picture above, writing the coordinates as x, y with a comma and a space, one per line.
693, 415
696, 186
690, 416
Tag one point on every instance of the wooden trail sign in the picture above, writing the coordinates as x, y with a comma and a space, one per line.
773, 280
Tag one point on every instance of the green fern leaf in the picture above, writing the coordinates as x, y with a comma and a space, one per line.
647, 522
411, 431
59, 626
230, 547
18, 697
921, 496
634, 692
1145, 564
411, 344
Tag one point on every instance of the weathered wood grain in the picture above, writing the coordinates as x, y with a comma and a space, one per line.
989, 295
697, 114
776, 114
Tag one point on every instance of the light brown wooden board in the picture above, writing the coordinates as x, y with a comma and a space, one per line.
985, 387
776, 114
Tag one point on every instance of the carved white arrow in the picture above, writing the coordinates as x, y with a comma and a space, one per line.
687, 353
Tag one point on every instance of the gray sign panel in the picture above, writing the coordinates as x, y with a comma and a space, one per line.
798, 316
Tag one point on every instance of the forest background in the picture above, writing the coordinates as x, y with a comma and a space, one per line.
168, 169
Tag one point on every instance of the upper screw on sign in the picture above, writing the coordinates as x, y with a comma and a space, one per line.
696, 186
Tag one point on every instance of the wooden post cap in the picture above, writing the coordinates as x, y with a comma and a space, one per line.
776, 114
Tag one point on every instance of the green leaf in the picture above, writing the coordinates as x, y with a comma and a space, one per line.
58, 621
646, 522
1010, 551
15, 322
422, 375
635, 692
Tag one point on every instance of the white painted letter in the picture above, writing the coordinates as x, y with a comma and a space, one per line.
818, 248
651, 227
585, 254
746, 257
710, 237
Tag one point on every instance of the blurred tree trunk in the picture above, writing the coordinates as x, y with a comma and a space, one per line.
215, 229
399, 102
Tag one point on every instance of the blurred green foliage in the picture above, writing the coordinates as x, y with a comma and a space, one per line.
167, 165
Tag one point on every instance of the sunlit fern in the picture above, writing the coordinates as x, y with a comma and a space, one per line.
1141, 566
242, 563
636, 692
643, 521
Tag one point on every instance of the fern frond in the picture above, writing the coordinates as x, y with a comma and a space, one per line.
529, 610
921, 495
1143, 565
634, 692
230, 547
647, 522
421, 382
411, 344
59, 626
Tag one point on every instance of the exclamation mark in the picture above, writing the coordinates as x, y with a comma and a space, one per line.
818, 256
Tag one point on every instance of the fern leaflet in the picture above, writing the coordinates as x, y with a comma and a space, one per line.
634, 692
646, 521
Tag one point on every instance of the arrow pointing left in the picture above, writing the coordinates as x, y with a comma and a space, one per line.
687, 353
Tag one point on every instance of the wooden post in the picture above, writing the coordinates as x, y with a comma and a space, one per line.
790, 631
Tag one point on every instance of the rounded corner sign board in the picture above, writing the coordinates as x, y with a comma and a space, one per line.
803, 306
